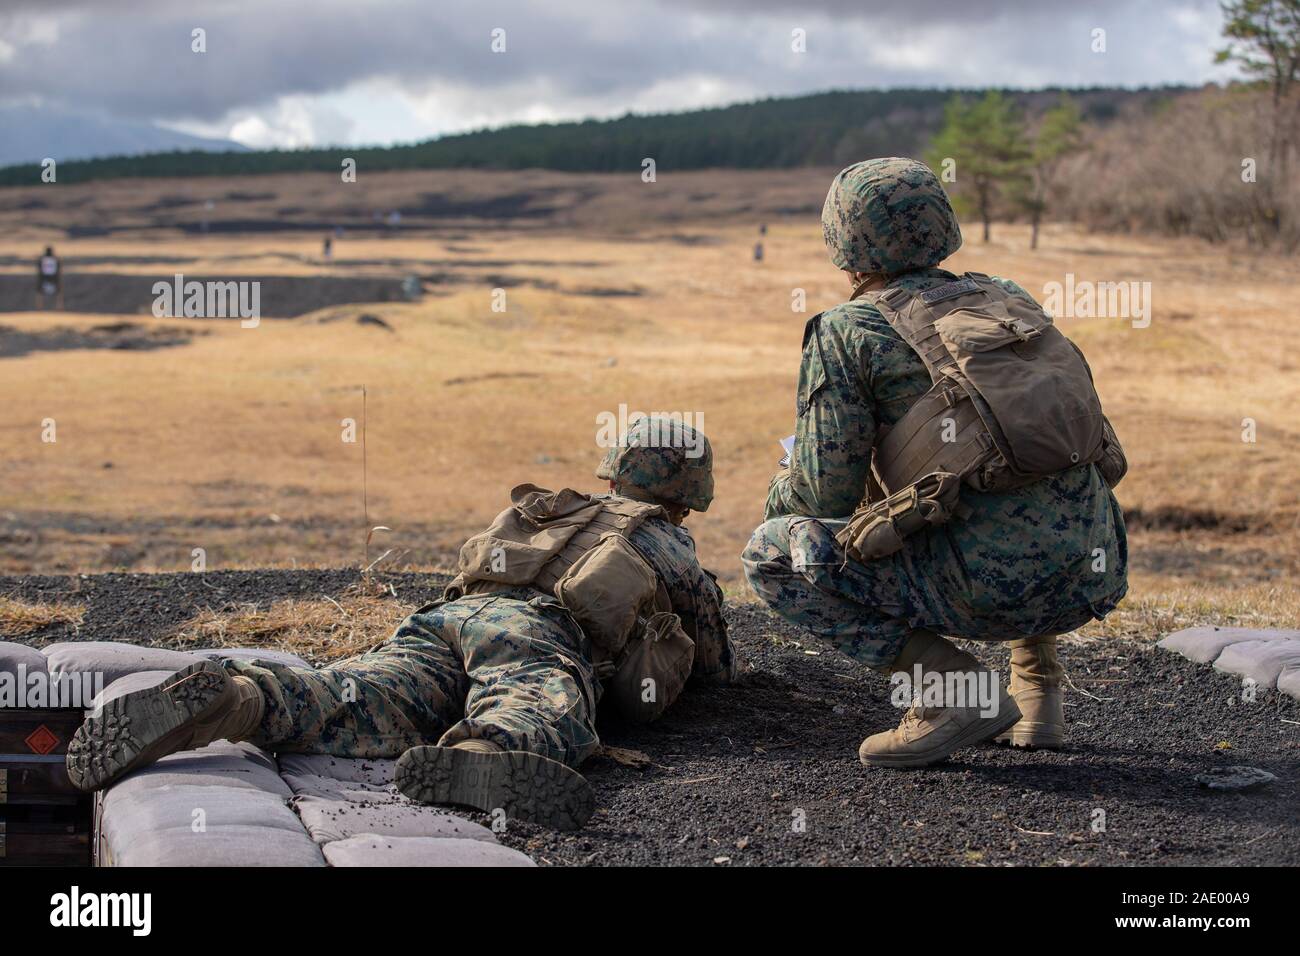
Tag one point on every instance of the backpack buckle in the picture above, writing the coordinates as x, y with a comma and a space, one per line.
1023, 330
892, 296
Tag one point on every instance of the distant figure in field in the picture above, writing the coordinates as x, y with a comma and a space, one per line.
327, 248
758, 252
49, 280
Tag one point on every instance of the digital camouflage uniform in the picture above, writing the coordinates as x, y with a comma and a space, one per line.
510, 667
1022, 563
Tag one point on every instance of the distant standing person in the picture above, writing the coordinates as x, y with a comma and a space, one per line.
327, 248
49, 280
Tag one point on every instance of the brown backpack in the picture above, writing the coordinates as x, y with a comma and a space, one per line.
1012, 402
575, 547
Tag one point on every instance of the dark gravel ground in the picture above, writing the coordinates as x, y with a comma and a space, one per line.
766, 771
281, 296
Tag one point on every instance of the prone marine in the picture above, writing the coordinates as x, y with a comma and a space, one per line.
488, 695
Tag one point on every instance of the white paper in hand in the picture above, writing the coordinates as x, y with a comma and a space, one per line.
788, 445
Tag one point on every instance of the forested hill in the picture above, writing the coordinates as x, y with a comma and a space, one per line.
821, 129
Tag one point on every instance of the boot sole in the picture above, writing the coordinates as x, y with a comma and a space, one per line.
1034, 735
976, 733
527, 786
127, 731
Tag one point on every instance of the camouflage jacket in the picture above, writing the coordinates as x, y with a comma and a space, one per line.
1021, 551
694, 593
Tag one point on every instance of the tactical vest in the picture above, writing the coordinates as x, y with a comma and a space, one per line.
1012, 402
575, 548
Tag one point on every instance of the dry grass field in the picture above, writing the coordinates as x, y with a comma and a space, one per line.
617, 292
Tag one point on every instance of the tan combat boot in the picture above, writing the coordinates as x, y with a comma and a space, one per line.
191, 709
479, 774
929, 733
1036, 674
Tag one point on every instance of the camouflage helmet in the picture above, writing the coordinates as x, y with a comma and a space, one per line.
888, 216
666, 458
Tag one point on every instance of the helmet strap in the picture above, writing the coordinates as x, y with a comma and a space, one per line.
870, 283
676, 513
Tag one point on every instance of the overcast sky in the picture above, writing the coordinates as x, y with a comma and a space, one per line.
318, 72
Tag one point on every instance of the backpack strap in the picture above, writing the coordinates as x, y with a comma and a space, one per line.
921, 443
617, 515
915, 447
912, 316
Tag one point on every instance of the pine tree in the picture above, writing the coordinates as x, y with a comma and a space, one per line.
985, 141
1059, 134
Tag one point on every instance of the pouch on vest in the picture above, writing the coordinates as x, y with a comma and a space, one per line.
653, 669
605, 589
877, 529
1012, 400
1029, 376
1113, 463
524, 537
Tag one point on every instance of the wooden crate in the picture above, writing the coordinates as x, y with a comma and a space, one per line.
33, 744
46, 835
40, 731
44, 820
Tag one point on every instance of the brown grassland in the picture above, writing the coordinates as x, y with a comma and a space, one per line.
618, 292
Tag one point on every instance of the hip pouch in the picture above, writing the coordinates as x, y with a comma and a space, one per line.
613, 594
877, 529
653, 669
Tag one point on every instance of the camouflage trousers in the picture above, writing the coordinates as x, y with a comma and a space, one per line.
794, 565
512, 668
866, 610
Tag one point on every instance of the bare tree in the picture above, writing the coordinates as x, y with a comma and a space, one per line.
1264, 40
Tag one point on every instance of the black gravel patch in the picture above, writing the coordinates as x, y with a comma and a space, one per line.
61, 542
517, 205
608, 292
766, 771
129, 336
147, 608
1172, 518
131, 294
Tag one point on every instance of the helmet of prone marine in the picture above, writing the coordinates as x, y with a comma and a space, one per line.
665, 458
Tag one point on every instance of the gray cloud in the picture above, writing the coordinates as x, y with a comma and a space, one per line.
132, 58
